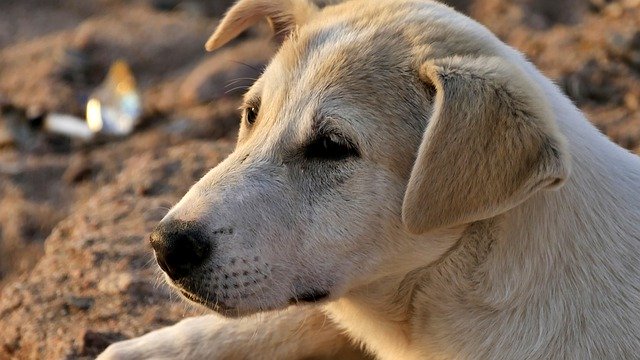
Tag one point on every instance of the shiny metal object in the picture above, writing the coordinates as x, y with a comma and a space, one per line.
115, 107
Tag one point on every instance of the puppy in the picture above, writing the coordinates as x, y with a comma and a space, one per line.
406, 183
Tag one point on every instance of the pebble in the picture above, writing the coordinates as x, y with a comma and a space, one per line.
6, 139
614, 10
80, 303
630, 4
92, 343
631, 102
626, 48
79, 169
592, 83
164, 5
116, 283
19, 128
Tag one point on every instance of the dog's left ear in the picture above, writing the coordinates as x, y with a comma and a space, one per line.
491, 142
283, 16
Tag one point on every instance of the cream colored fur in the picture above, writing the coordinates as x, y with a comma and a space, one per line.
483, 218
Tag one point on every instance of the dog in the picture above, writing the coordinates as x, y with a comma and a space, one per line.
404, 184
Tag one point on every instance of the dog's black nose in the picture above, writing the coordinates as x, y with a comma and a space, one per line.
180, 246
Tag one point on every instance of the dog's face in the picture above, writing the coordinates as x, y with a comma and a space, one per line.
311, 203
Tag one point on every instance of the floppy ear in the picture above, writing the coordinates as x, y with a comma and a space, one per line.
283, 15
491, 142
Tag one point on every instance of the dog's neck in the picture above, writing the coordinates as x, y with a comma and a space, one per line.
509, 269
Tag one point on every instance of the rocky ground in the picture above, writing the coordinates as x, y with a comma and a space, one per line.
76, 272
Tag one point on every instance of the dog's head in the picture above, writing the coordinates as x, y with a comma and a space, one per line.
377, 132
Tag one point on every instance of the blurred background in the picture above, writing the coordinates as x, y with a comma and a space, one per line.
77, 202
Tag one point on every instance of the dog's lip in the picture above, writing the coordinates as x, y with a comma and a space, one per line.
310, 297
213, 305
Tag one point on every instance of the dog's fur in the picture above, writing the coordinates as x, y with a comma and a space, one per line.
480, 217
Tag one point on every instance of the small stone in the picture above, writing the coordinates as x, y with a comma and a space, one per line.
20, 128
79, 169
592, 83
598, 5
164, 5
617, 44
626, 48
193, 8
73, 66
92, 343
116, 283
150, 187
633, 56
614, 10
4, 101
80, 303
631, 102
6, 139
11, 342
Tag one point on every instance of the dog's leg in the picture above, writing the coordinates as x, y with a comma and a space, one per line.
296, 333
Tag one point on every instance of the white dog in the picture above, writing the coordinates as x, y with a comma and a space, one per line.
412, 186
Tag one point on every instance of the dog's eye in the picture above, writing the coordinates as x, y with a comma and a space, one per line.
250, 114
330, 147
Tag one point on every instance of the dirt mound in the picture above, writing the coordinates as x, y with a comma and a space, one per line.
595, 60
96, 282
54, 69
93, 281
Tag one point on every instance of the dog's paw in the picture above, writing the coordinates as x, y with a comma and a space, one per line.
122, 350
140, 348
190, 338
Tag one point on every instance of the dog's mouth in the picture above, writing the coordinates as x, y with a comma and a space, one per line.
309, 297
213, 302
213, 305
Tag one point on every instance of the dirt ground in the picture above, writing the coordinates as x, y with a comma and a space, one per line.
76, 272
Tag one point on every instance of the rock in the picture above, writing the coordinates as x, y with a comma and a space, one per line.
117, 283
633, 57
11, 341
626, 48
194, 7
92, 343
614, 10
80, 169
94, 279
632, 102
74, 67
80, 303
630, 4
592, 83
598, 5
541, 14
20, 128
164, 5
617, 45
6, 138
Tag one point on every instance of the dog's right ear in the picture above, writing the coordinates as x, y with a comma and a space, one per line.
283, 16
491, 143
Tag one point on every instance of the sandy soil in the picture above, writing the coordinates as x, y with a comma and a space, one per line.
76, 272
